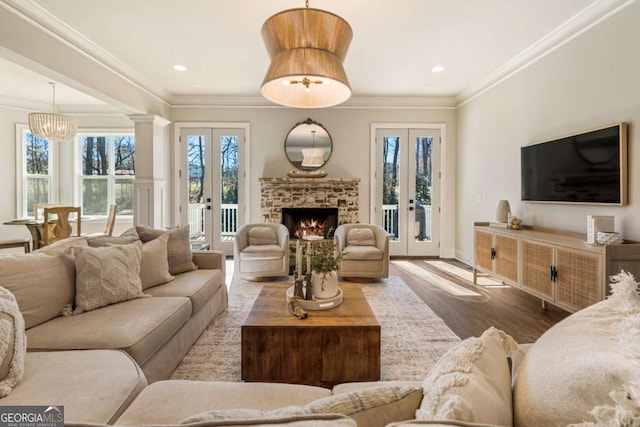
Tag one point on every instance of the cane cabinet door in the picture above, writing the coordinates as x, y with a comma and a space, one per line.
537, 268
506, 257
578, 278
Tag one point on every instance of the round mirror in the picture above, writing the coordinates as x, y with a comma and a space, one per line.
308, 145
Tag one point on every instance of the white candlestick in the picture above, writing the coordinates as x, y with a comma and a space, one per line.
308, 257
298, 260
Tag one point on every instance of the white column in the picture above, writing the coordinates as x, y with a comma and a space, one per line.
150, 186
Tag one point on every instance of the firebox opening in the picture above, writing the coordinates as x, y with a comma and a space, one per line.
310, 221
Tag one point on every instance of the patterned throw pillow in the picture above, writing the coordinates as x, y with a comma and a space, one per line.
13, 343
107, 275
371, 407
178, 247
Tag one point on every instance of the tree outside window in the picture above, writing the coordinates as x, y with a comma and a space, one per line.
108, 172
38, 172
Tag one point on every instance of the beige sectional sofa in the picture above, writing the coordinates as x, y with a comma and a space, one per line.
111, 365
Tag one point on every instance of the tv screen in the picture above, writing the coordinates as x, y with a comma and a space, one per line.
589, 167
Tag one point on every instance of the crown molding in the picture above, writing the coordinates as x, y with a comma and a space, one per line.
38, 16
76, 110
355, 102
586, 19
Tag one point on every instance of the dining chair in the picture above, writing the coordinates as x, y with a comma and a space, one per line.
60, 227
108, 228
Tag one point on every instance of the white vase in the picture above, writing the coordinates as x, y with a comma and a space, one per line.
503, 210
326, 289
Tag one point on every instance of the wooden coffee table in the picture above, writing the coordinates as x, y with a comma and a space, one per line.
329, 347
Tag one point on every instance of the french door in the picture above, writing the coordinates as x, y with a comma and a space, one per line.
215, 186
407, 201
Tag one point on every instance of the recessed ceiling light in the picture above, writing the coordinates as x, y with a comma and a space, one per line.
179, 67
437, 69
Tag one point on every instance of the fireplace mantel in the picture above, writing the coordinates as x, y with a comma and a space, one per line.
278, 193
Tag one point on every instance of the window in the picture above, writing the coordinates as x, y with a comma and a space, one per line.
35, 171
107, 172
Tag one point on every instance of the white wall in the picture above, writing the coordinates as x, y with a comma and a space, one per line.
589, 82
349, 129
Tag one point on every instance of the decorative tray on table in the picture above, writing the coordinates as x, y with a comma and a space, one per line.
317, 303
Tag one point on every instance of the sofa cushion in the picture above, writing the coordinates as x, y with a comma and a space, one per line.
13, 343
107, 275
361, 237
261, 252
471, 382
169, 402
362, 253
374, 407
575, 364
197, 285
43, 284
93, 386
178, 247
154, 265
139, 327
262, 236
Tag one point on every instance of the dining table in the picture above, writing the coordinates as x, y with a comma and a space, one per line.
36, 228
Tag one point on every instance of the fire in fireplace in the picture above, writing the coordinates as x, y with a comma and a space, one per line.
309, 221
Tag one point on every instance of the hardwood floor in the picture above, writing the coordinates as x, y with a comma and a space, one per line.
447, 288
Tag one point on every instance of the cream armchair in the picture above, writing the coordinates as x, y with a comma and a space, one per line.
261, 251
365, 251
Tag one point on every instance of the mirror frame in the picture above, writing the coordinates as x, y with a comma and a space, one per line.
288, 141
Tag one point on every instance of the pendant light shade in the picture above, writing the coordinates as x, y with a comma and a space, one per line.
306, 47
52, 126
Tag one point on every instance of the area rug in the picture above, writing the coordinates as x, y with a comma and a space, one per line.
413, 336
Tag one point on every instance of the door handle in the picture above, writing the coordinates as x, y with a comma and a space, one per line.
208, 199
411, 208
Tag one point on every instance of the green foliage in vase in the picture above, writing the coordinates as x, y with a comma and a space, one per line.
324, 259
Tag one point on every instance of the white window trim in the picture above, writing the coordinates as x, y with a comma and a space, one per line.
77, 155
21, 171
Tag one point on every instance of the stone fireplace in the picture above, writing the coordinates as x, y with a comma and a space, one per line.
339, 194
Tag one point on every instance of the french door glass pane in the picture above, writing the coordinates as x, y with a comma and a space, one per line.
37, 192
124, 196
390, 185
229, 186
95, 199
424, 185
196, 151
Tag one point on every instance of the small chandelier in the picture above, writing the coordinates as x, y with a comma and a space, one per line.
52, 126
306, 47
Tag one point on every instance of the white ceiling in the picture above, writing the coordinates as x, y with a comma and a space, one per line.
395, 43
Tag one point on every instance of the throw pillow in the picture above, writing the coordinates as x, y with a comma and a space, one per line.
471, 382
13, 343
289, 416
624, 412
360, 237
154, 267
101, 241
262, 236
107, 275
43, 284
371, 407
178, 247
61, 246
575, 364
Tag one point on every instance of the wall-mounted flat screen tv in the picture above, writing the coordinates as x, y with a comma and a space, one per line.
589, 167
